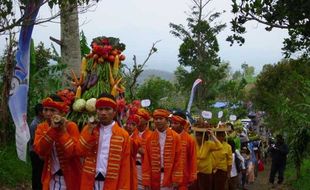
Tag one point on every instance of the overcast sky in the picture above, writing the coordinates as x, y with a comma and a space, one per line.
139, 23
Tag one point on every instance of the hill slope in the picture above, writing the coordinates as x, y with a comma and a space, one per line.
146, 74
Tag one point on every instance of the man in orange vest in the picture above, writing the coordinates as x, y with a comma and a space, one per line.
105, 147
55, 141
142, 133
162, 165
188, 150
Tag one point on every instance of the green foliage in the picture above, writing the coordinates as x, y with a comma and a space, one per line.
299, 146
13, 172
248, 73
198, 55
284, 14
303, 181
282, 90
157, 90
84, 46
46, 75
236, 89
8, 8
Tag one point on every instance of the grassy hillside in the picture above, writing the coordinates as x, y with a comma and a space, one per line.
14, 173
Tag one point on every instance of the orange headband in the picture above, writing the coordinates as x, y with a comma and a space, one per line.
144, 114
106, 102
61, 106
161, 113
133, 119
178, 119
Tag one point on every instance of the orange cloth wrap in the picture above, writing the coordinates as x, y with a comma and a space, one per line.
161, 113
144, 114
178, 119
133, 119
106, 102
61, 106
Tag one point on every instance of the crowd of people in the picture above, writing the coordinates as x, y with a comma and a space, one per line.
165, 154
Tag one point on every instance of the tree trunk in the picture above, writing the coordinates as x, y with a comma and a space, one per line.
70, 37
7, 77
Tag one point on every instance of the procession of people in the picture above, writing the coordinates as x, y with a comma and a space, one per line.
159, 150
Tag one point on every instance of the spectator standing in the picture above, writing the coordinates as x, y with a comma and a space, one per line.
279, 153
36, 162
237, 167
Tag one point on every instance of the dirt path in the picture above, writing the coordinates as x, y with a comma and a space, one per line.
262, 183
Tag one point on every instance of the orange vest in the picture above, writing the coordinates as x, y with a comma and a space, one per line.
189, 158
147, 133
118, 168
173, 170
136, 143
65, 143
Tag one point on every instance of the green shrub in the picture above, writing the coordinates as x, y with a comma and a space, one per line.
303, 181
13, 172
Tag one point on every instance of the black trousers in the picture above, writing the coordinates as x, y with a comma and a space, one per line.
277, 167
37, 168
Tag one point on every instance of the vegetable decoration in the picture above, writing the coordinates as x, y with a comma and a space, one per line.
100, 72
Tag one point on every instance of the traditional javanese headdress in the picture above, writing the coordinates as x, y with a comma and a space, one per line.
144, 114
61, 106
133, 119
178, 119
161, 113
106, 102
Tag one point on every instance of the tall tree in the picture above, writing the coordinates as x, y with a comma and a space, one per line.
8, 63
155, 89
291, 15
70, 35
70, 43
248, 72
199, 52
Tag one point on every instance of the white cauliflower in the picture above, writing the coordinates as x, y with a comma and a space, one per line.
91, 105
79, 105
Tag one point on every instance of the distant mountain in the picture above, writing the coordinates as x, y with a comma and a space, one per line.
146, 74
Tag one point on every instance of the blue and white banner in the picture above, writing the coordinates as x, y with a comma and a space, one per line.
20, 81
190, 102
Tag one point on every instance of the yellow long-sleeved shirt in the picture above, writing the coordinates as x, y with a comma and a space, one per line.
204, 157
222, 158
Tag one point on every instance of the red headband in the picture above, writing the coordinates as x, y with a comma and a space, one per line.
178, 119
161, 113
61, 106
133, 119
106, 102
144, 114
